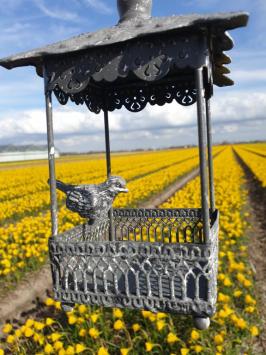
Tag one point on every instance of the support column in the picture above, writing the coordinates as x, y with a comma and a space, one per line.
201, 112
51, 155
210, 158
108, 166
107, 143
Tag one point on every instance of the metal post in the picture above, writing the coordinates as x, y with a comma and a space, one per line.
108, 166
201, 112
107, 143
51, 154
210, 159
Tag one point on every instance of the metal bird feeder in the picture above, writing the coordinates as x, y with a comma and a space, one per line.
156, 259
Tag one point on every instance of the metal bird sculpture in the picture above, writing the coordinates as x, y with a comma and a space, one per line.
92, 201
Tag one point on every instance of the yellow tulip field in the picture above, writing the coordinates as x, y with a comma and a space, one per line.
25, 229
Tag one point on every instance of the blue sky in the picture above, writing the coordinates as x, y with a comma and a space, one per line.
239, 112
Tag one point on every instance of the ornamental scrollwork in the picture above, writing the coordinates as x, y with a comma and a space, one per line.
134, 99
147, 60
186, 97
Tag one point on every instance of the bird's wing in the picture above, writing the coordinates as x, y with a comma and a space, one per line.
81, 201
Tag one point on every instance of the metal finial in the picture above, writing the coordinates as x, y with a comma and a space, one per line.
134, 9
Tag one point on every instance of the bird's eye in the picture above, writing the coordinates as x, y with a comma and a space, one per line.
117, 184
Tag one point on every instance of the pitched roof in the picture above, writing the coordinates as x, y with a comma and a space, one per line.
218, 24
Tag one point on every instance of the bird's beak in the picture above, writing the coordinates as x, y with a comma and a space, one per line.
123, 189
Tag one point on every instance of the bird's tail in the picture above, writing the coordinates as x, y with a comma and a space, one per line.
60, 185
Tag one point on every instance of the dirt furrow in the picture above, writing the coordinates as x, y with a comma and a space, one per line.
257, 244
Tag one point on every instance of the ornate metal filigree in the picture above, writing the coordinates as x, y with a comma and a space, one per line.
134, 271
92, 98
135, 99
186, 97
132, 98
147, 60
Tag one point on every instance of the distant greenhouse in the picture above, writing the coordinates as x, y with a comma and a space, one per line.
9, 153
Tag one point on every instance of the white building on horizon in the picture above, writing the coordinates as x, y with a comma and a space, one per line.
24, 153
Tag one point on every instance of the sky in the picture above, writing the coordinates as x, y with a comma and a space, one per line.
238, 112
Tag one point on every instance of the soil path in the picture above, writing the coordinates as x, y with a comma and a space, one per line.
36, 285
257, 245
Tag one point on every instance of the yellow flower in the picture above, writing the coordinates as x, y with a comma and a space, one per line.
198, 348
36, 337
10, 339
39, 338
250, 300
82, 309
2, 352
82, 332
149, 346
219, 348
48, 349
94, 333
240, 277
18, 333
49, 321
194, 335
28, 332
49, 301
233, 317
218, 339
124, 351
223, 298
30, 322
58, 345
146, 314
80, 320
62, 352
184, 351
237, 293
254, 331
80, 348
247, 283
94, 317
103, 351
152, 317
136, 327
172, 338
39, 325
117, 313
118, 325
7, 328
72, 319
57, 305
227, 281
161, 315
70, 350
160, 324
241, 323
250, 309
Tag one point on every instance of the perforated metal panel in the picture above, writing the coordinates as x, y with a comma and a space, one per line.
159, 261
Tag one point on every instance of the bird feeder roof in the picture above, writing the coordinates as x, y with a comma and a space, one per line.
140, 60
218, 24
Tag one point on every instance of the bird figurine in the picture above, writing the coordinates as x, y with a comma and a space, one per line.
92, 201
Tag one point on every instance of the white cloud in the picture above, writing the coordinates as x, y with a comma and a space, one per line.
56, 12
249, 75
230, 128
239, 106
76, 128
99, 6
